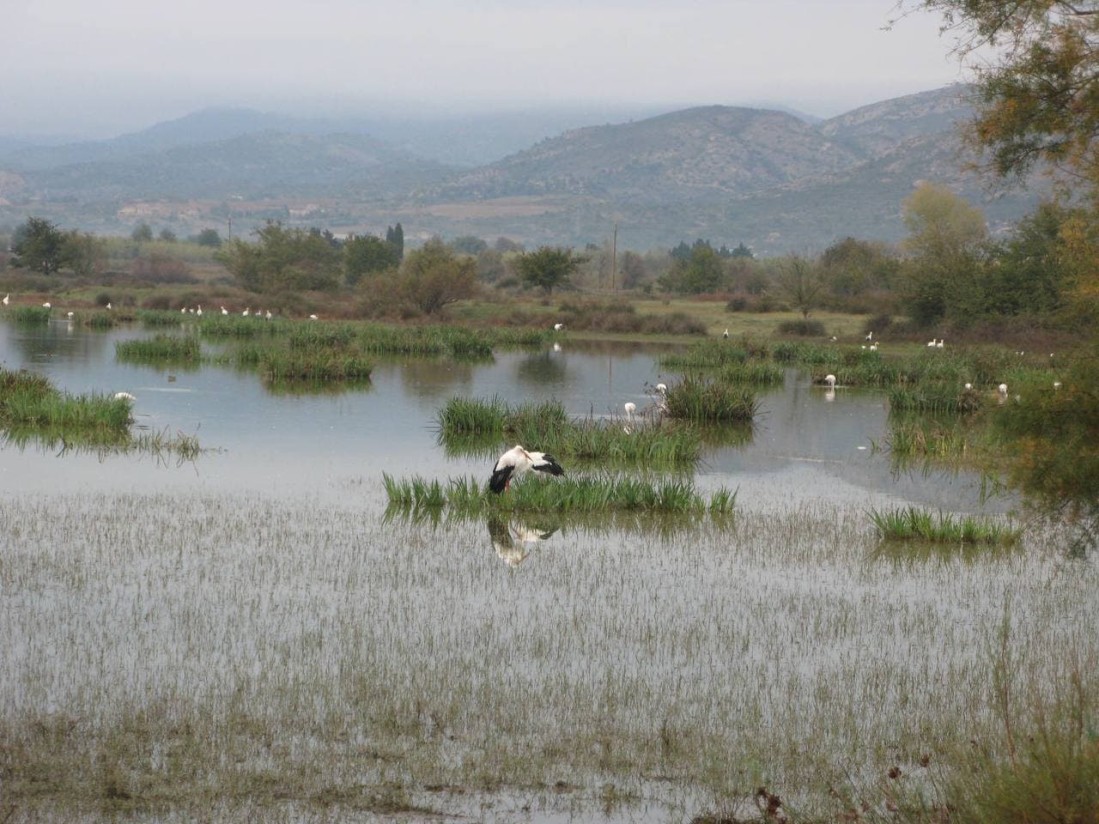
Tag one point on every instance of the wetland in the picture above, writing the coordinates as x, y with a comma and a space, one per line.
252, 630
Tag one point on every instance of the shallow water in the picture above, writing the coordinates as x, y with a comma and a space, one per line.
807, 444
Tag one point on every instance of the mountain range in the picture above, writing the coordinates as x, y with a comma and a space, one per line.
771, 179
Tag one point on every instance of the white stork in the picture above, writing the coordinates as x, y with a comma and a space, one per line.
517, 462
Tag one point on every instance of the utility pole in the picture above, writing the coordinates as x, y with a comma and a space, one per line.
614, 256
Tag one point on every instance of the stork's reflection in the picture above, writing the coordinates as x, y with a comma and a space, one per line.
513, 540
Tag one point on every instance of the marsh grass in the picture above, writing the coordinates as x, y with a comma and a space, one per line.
479, 427
912, 524
706, 355
574, 493
313, 365
29, 315
161, 348
30, 402
700, 400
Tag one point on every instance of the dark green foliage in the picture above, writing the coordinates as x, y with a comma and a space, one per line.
37, 244
548, 267
160, 348
703, 401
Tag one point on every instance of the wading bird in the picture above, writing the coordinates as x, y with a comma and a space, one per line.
124, 396
7, 299
517, 462
557, 327
830, 380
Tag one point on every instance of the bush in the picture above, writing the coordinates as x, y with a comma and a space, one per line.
802, 328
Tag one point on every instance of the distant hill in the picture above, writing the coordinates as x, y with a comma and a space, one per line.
770, 179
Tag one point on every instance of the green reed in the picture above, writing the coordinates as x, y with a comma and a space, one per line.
313, 365
473, 426
700, 400
706, 355
29, 401
755, 373
912, 524
161, 348
578, 493
29, 315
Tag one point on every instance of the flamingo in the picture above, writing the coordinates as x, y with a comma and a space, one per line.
517, 462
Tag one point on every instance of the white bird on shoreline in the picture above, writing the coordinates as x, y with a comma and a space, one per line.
517, 462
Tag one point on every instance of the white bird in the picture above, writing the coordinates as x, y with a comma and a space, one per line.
1056, 384
108, 306
247, 312
312, 317
199, 310
630, 408
557, 327
939, 345
969, 386
662, 388
46, 305
870, 335
873, 347
69, 315
124, 396
1003, 389
517, 462
183, 310
7, 299
725, 334
931, 343
224, 311
269, 315
830, 380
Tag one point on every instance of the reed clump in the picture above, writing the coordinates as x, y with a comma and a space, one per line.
705, 401
161, 348
30, 315
912, 524
577, 493
313, 365
477, 426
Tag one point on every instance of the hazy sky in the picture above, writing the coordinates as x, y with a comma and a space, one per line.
101, 67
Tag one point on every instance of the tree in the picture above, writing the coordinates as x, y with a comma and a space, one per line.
38, 245
800, 282
395, 235
142, 233
433, 276
548, 267
1038, 93
83, 252
367, 254
946, 236
284, 258
208, 237
701, 271
167, 235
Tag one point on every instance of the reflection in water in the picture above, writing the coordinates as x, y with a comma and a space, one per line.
430, 378
513, 540
541, 369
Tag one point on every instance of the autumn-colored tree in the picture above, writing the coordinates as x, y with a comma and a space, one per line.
946, 235
434, 276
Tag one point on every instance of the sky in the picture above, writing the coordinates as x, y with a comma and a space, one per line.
98, 69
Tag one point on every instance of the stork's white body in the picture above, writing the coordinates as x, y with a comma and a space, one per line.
517, 462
